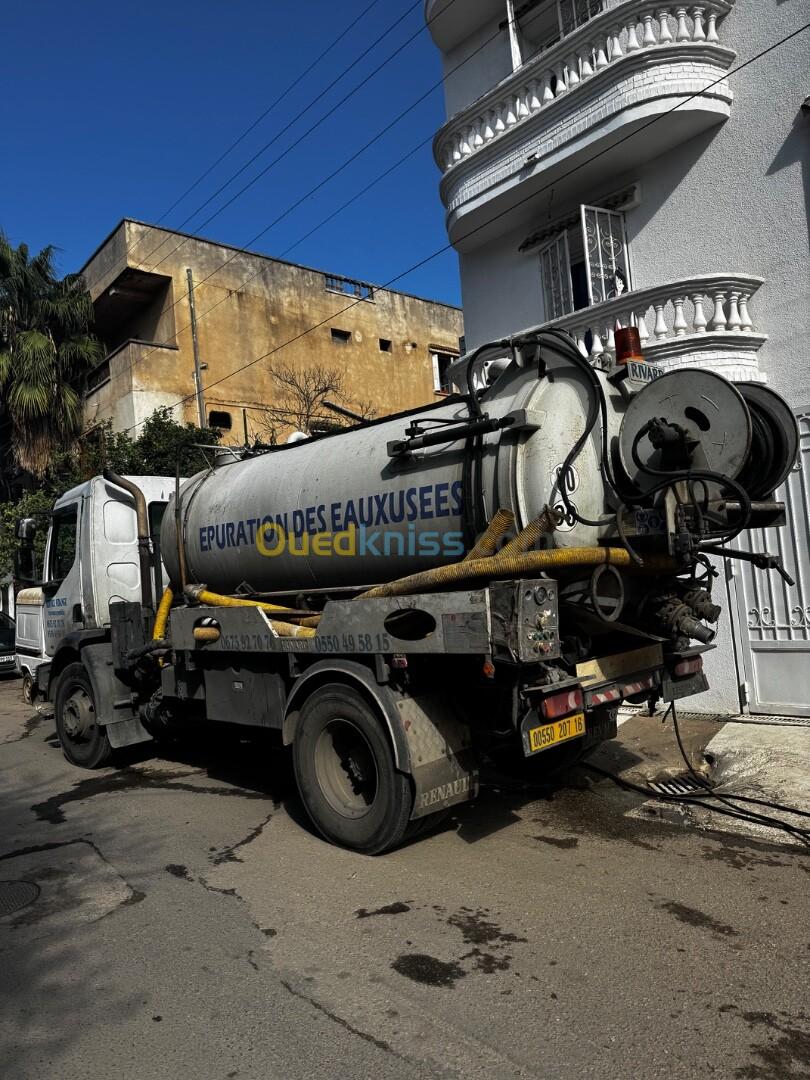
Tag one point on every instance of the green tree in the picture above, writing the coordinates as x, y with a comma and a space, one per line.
162, 441
153, 453
46, 348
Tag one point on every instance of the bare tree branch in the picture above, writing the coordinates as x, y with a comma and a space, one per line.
299, 404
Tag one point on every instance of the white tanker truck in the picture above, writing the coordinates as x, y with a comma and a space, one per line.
496, 572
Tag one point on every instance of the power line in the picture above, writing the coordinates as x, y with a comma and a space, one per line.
447, 247
291, 123
297, 117
273, 104
244, 248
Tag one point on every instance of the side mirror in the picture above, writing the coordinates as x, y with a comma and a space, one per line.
25, 568
26, 529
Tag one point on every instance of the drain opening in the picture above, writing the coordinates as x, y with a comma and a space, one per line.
15, 895
678, 785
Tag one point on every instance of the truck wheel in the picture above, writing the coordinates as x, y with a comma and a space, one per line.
84, 741
344, 768
28, 688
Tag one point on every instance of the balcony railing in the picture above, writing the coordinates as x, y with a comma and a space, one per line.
606, 41
703, 321
122, 361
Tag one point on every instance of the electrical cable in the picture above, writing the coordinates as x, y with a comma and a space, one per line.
690, 800
273, 104
291, 86
449, 246
726, 796
297, 142
291, 123
244, 248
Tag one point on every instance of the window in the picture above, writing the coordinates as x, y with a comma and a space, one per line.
535, 25
62, 554
441, 366
340, 337
348, 287
156, 512
385, 345
585, 263
221, 420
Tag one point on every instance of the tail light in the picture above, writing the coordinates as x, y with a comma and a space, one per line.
566, 701
689, 667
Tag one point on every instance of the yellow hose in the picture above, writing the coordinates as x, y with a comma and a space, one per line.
206, 633
513, 566
197, 592
162, 615
545, 522
501, 523
283, 629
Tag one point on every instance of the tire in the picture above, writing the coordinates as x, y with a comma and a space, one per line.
28, 688
84, 741
345, 772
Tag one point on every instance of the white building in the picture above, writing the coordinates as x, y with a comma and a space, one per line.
604, 162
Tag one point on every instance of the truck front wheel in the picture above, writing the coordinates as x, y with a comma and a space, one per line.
84, 741
345, 771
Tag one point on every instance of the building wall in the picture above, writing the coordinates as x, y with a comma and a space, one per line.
249, 308
734, 199
476, 65
738, 198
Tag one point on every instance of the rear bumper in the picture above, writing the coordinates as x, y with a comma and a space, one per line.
642, 685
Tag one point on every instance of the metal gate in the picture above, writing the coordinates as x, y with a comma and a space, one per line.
772, 628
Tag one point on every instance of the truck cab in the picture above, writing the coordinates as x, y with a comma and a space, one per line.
91, 561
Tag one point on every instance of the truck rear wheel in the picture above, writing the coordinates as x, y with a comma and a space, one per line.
84, 741
346, 775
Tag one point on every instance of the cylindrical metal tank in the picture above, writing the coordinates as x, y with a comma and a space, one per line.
341, 510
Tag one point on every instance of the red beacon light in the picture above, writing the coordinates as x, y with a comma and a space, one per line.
628, 345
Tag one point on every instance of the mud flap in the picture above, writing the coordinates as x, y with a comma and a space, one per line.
114, 707
673, 689
440, 749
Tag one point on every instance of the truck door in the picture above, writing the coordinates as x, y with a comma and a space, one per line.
62, 589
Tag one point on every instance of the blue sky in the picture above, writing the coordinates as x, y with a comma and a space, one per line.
113, 110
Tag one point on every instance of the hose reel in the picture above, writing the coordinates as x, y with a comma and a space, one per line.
742, 431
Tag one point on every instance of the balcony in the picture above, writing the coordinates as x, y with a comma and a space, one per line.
618, 87
701, 322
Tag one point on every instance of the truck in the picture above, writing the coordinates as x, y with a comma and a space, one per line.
486, 577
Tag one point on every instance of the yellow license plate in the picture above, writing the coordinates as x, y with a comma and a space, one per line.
541, 738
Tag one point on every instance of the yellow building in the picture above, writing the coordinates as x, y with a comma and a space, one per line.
381, 351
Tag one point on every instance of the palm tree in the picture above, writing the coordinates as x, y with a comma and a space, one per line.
45, 350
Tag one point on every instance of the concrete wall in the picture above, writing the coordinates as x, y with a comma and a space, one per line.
246, 309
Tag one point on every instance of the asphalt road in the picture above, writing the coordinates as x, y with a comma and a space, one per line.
189, 924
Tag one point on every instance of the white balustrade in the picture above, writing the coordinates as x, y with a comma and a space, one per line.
583, 54
675, 311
